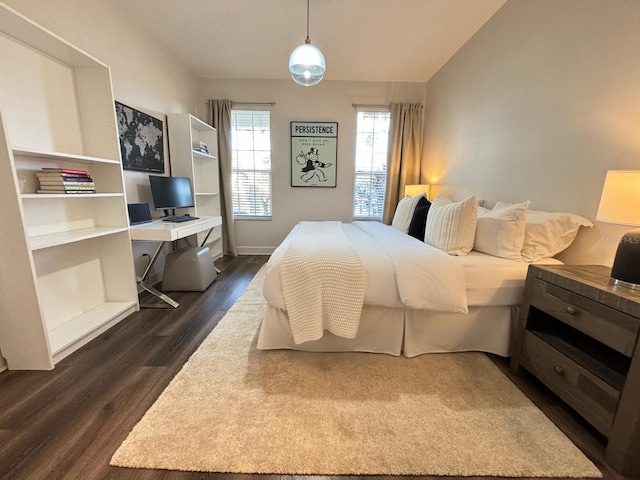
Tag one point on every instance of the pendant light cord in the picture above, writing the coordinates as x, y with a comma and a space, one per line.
307, 40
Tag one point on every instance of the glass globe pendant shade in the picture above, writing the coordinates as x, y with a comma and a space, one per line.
306, 64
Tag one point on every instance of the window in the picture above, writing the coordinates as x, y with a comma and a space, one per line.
372, 138
251, 163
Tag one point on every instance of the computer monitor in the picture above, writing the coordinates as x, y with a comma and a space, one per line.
169, 193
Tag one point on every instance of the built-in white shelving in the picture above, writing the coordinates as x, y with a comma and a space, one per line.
202, 168
68, 274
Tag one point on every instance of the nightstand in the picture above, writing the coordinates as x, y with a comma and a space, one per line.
578, 335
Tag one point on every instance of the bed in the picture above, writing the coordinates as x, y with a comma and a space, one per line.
471, 306
446, 276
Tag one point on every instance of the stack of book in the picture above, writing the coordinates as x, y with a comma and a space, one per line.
200, 147
64, 180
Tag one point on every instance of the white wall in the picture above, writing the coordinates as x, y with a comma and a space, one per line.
327, 102
538, 105
144, 75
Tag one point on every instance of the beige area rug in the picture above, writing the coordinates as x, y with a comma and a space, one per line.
233, 408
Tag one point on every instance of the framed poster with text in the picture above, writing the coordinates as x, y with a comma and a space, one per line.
314, 154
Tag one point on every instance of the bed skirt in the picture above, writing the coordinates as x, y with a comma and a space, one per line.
404, 332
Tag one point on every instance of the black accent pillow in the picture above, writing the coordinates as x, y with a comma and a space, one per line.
419, 219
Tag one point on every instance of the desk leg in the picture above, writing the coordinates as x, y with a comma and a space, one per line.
158, 294
205, 241
150, 289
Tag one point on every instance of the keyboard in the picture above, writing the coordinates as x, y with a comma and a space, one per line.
179, 218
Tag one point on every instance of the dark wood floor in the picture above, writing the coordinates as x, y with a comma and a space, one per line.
68, 422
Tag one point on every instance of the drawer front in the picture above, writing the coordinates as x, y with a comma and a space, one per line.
594, 399
607, 325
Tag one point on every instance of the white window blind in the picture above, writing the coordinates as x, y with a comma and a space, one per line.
372, 138
251, 163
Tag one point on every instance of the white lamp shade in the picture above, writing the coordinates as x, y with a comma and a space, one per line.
413, 190
620, 201
307, 65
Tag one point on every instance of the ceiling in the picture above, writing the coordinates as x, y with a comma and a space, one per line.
363, 40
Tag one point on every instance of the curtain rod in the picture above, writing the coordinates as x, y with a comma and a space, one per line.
369, 105
364, 105
271, 104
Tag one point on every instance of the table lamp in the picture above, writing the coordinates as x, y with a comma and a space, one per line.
620, 203
413, 190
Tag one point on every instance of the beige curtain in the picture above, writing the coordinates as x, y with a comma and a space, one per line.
405, 152
220, 119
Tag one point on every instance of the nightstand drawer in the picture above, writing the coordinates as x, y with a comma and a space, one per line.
590, 396
605, 324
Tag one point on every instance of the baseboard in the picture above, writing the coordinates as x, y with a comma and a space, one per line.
246, 250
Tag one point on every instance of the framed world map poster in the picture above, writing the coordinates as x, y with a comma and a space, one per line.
141, 140
314, 154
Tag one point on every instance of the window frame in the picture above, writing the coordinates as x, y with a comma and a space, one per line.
234, 169
356, 172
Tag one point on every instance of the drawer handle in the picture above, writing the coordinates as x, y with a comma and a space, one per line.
558, 370
571, 310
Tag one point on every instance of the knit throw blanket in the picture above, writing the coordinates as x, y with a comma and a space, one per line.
323, 282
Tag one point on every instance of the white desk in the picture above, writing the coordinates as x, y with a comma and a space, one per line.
159, 231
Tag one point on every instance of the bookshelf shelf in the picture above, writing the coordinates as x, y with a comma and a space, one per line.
59, 156
75, 196
70, 274
90, 323
185, 130
202, 155
64, 238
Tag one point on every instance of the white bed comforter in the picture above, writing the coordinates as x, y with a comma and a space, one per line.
400, 271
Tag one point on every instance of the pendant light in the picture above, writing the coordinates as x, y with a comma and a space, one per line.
306, 63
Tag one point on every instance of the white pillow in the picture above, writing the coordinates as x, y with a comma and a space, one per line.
500, 232
548, 233
451, 226
404, 212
